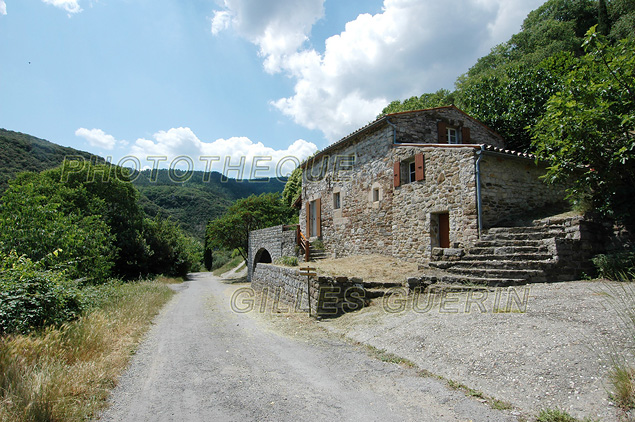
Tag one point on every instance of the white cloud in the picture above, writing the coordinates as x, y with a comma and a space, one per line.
411, 47
178, 146
71, 6
97, 138
278, 27
3, 7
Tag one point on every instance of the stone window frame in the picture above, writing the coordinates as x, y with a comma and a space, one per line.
376, 192
337, 199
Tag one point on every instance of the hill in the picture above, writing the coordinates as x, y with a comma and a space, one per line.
205, 196
21, 152
191, 203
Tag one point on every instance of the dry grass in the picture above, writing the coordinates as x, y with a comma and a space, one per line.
377, 268
66, 373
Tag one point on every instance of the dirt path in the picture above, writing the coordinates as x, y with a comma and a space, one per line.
202, 361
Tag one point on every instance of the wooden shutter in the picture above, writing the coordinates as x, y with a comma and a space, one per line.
308, 219
443, 132
419, 167
397, 174
465, 135
318, 217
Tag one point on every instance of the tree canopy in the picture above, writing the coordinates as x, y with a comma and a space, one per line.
588, 130
231, 231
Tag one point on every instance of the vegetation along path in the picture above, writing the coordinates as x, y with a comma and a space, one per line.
202, 361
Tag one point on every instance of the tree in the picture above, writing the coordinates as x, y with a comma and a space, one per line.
105, 191
622, 19
604, 24
231, 231
35, 222
511, 102
293, 187
171, 251
588, 130
442, 97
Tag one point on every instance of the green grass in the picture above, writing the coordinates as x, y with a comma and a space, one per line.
66, 373
236, 261
557, 415
388, 357
385, 356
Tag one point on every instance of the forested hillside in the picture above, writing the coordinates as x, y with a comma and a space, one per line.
21, 152
191, 204
202, 198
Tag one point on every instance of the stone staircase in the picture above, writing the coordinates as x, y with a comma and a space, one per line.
507, 256
316, 254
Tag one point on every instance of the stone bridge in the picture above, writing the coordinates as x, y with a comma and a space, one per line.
266, 245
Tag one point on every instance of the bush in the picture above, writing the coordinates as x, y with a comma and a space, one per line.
619, 266
171, 252
220, 258
32, 298
289, 261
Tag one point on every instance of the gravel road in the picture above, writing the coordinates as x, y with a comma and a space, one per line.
203, 362
555, 354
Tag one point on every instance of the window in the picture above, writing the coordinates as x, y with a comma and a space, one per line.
337, 201
376, 195
412, 171
453, 136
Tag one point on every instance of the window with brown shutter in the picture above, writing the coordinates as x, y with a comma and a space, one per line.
419, 167
443, 134
465, 134
397, 174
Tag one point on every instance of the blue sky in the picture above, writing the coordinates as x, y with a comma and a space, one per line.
229, 78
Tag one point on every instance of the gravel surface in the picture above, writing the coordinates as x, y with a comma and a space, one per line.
554, 355
204, 362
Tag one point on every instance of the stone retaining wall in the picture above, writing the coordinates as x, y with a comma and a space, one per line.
288, 289
511, 186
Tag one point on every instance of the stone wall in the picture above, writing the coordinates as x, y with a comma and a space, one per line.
449, 187
421, 127
287, 289
277, 241
361, 225
511, 186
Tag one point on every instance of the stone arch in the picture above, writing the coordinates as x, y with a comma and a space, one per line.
263, 256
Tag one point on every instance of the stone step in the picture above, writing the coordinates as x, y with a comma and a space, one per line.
518, 236
507, 242
507, 250
495, 264
519, 229
497, 273
510, 257
471, 280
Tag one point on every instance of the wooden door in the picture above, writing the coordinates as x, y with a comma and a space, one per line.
444, 230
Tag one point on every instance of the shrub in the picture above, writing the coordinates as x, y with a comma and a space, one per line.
220, 258
619, 266
31, 297
289, 261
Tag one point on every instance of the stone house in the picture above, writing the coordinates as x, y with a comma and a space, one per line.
410, 182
